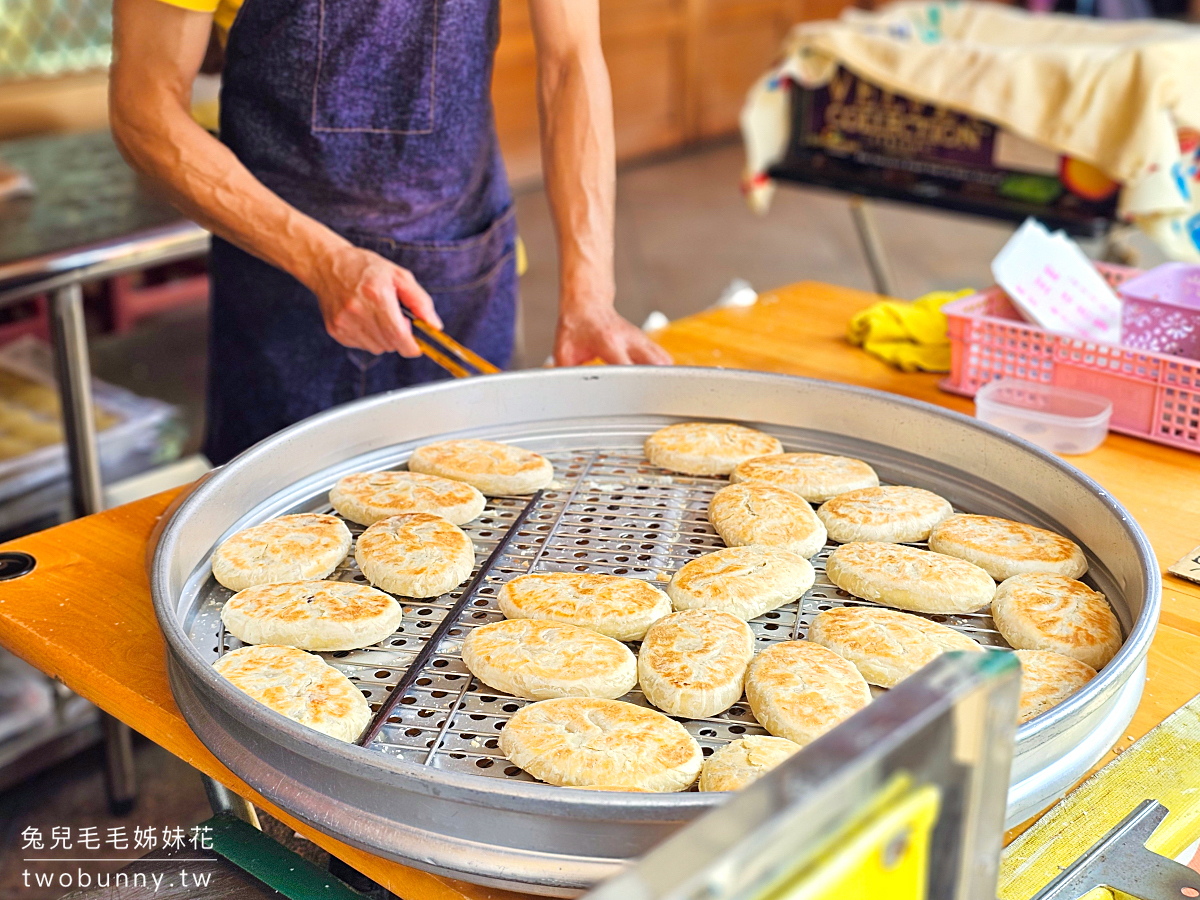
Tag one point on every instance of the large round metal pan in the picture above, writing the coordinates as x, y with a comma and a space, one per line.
553, 841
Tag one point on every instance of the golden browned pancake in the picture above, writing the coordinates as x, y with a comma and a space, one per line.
707, 448
693, 663
816, 477
367, 497
799, 690
541, 660
909, 578
1004, 548
764, 514
312, 615
415, 555
298, 685
299, 547
584, 742
622, 608
885, 645
893, 513
743, 581
1050, 612
494, 468
744, 761
1047, 679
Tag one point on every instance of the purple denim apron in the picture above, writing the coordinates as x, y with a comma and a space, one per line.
374, 117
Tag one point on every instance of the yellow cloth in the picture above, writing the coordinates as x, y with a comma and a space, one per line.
224, 11
522, 257
910, 336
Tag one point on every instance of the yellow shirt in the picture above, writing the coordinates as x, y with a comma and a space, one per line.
224, 11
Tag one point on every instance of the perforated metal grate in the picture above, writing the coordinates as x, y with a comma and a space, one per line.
609, 511
46, 38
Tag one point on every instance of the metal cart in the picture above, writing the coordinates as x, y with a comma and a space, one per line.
91, 219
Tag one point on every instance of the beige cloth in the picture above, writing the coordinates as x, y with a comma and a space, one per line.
1113, 94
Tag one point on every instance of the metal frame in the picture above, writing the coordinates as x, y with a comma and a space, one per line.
950, 725
863, 215
616, 514
509, 833
62, 276
1114, 246
1121, 861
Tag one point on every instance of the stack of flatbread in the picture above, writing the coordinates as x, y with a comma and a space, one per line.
563, 648
697, 660
412, 546
696, 655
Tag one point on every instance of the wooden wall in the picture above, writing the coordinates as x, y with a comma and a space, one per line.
679, 68
54, 106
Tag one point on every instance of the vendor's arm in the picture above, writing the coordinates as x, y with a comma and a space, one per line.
158, 49
578, 161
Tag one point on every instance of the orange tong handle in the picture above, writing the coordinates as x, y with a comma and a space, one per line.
447, 352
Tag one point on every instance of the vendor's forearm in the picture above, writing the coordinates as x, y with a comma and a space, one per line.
578, 159
149, 109
208, 184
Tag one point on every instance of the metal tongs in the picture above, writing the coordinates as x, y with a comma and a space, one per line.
459, 361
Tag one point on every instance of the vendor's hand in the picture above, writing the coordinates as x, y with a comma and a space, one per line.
598, 332
360, 292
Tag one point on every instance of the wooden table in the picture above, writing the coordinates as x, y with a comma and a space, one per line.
84, 615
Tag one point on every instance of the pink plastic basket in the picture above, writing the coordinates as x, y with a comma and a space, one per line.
1154, 395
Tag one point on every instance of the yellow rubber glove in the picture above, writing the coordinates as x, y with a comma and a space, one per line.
910, 336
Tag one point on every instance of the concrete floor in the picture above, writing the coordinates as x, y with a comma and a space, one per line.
683, 231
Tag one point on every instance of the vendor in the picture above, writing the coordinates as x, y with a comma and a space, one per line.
358, 169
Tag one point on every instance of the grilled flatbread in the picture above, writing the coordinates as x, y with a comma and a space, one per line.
886, 646
743, 581
495, 469
909, 578
1050, 612
298, 685
707, 448
415, 555
693, 663
744, 761
367, 497
893, 513
543, 660
799, 690
584, 742
816, 477
1047, 679
299, 547
763, 514
1004, 548
312, 615
622, 608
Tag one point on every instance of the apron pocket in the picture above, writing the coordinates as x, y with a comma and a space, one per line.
449, 266
376, 66
473, 283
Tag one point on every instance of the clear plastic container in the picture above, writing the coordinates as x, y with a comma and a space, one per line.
1057, 419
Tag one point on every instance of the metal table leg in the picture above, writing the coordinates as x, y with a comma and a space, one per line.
120, 776
87, 495
872, 244
223, 800
75, 390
